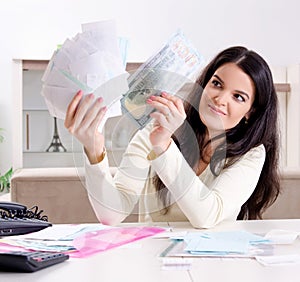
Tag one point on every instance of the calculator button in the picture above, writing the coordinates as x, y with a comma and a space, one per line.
29, 261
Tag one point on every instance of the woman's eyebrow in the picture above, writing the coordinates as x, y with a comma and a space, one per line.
242, 93
238, 91
215, 75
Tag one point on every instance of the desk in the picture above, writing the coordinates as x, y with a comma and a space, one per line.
139, 261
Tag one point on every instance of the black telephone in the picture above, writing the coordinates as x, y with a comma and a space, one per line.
16, 219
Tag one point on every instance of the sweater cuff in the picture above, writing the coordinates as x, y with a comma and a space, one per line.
101, 166
160, 162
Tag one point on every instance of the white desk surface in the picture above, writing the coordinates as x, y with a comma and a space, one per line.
139, 261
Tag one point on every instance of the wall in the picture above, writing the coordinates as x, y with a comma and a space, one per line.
32, 29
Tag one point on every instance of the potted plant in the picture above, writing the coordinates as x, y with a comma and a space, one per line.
5, 178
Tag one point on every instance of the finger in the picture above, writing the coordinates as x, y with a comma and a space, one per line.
161, 104
159, 118
171, 101
98, 119
176, 101
92, 113
83, 109
71, 110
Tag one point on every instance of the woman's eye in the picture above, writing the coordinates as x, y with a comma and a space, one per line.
216, 83
239, 97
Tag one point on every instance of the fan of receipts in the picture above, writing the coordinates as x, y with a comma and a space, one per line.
94, 61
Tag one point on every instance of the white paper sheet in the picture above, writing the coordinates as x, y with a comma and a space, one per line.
278, 260
279, 236
91, 62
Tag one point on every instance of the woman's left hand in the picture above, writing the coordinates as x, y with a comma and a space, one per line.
169, 116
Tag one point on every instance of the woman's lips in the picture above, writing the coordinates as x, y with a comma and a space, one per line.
216, 110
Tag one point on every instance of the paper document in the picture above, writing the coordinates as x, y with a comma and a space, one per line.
278, 260
80, 240
94, 62
278, 236
219, 244
58, 238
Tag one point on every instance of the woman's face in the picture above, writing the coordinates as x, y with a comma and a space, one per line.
227, 98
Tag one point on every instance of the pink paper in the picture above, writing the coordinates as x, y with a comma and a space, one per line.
4, 247
102, 240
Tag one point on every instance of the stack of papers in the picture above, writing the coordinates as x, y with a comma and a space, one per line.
58, 238
94, 62
219, 244
222, 243
78, 240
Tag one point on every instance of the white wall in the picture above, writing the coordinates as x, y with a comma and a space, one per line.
31, 29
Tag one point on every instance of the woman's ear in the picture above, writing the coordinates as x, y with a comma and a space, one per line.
247, 115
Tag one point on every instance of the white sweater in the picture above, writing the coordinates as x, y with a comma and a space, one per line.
204, 200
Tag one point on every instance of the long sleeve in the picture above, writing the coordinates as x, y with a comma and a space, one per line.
207, 206
114, 198
204, 202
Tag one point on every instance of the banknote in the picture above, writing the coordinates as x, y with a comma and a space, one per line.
177, 63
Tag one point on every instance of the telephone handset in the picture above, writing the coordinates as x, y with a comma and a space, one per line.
13, 210
7, 209
16, 219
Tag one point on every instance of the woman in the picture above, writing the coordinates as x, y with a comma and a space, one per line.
212, 159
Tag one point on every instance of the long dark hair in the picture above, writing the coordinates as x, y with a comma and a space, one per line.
261, 128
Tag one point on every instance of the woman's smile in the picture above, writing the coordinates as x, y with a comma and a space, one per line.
215, 110
227, 98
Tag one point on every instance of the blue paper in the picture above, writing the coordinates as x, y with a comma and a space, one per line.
221, 243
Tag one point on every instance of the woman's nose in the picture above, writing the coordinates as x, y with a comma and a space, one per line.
221, 99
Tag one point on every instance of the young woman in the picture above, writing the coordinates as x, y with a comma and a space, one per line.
211, 159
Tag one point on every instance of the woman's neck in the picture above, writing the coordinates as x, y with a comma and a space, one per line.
211, 143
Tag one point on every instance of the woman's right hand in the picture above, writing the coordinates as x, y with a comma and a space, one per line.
83, 118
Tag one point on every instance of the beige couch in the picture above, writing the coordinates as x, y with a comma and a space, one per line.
287, 204
57, 191
61, 194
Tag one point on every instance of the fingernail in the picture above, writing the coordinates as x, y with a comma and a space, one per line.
100, 100
91, 96
149, 100
164, 94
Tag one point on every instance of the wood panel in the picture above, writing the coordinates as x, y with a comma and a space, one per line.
130, 67
42, 64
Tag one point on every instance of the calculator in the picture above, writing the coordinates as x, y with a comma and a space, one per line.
29, 261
